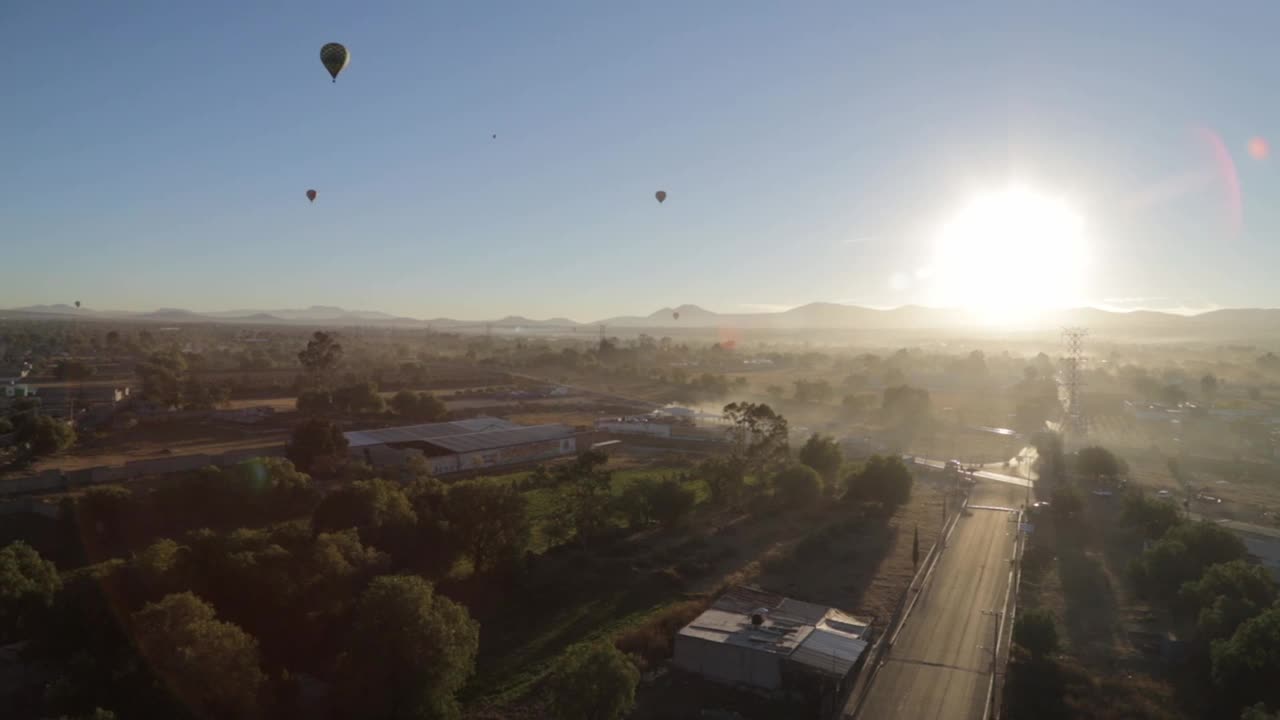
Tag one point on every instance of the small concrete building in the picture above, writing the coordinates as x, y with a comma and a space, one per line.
764, 642
461, 445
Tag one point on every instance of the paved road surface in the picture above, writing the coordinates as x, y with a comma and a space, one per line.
940, 666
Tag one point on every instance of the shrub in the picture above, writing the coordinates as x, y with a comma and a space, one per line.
1036, 631
798, 486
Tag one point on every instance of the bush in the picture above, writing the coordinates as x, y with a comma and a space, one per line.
1036, 631
883, 479
1182, 555
593, 682
798, 486
653, 642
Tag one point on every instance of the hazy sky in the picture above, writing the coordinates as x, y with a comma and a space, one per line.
157, 153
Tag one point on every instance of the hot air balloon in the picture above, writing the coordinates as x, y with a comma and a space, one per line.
335, 57
77, 304
675, 316
311, 195
661, 195
495, 136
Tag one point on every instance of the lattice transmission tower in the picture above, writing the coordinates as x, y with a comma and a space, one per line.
1075, 425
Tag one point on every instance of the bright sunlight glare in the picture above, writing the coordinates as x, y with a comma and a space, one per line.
1008, 255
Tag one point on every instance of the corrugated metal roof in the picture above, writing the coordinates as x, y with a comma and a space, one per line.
812, 635
829, 651
427, 431
501, 438
736, 629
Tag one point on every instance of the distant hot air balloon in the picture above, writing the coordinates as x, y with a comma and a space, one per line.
495, 136
675, 316
335, 57
661, 195
311, 195
77, 304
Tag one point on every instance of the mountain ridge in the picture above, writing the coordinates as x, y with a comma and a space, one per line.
811, 316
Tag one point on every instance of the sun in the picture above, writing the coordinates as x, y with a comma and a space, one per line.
1009, 255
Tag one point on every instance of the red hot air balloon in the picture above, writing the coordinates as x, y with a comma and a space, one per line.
661, 195
311, 195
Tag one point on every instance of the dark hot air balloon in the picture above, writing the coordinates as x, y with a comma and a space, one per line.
495, 136
335, 57
661, 195
675, 316
311, 195
77, 304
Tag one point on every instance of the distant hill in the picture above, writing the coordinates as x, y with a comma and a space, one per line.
1218, 324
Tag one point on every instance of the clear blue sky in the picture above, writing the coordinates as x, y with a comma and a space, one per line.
156, 153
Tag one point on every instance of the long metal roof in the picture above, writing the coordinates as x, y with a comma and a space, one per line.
427, 431
501, 438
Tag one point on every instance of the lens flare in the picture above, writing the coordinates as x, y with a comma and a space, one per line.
1259, 149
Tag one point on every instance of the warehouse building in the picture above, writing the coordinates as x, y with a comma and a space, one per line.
462, 445
767, 643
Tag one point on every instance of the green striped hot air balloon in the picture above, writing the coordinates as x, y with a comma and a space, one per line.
335, 58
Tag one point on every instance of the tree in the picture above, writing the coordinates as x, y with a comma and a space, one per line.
1172, 394
211, 665
822, 453
1209, 387
812, 391
1182, 555
28, 584
490, 522
162, 378
882, 479
587, 492
408, 653
1225, 596
317, 446
1099, 464
46, 436
1036, 631
725, 478
1051, 464
315, 401
798, 485
71, 370
379, 509
1152, 518
359, 398
1258, 711
1246, 666
593, 682
664, 501
321, 356
418, 406
758, 434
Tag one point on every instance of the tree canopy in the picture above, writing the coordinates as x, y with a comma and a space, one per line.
797, 486
317, 445
210, 665
593, 681
883, 479
28, 584
489, 521
409, 651
822, 453
1037, 631
1245, 667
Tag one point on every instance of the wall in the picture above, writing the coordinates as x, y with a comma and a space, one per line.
728, 663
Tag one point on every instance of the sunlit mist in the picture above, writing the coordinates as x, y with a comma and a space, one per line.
1008, 255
